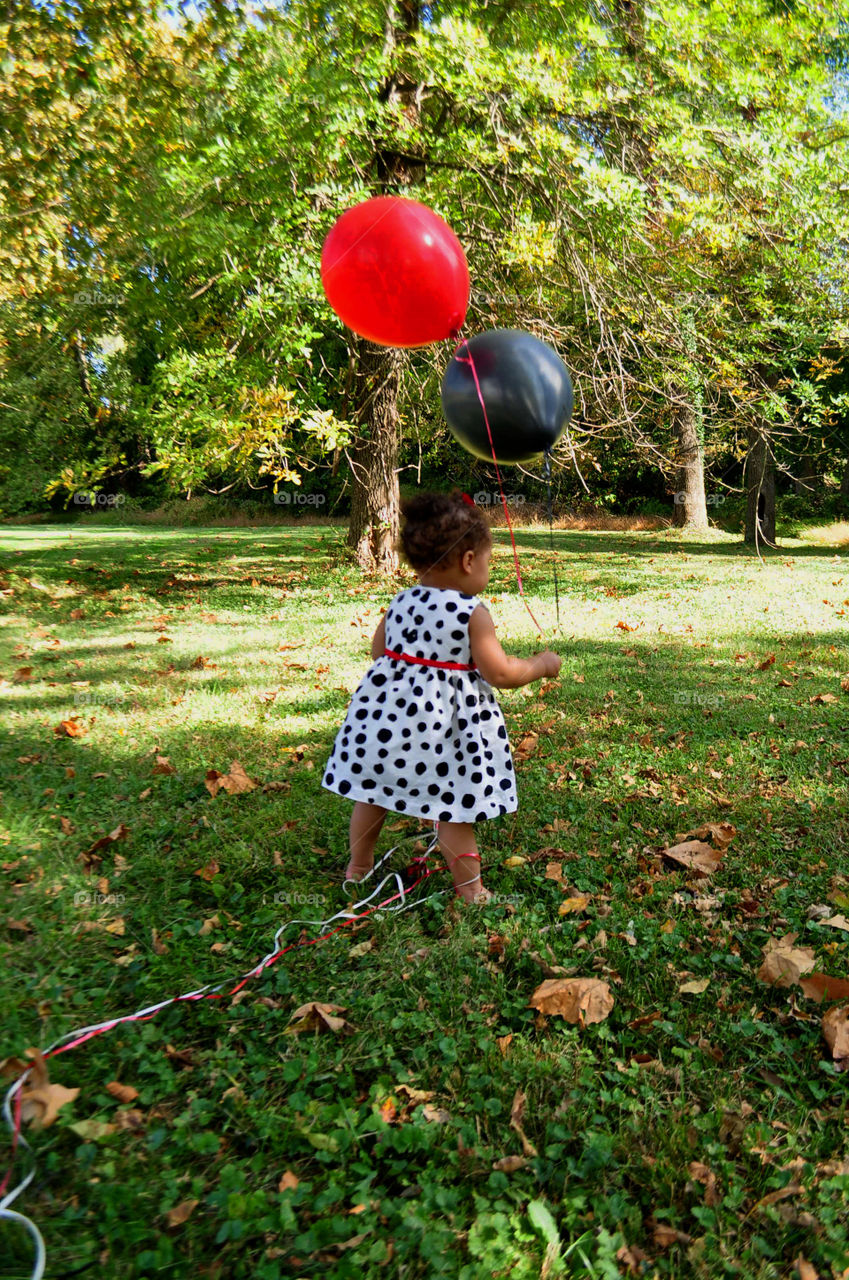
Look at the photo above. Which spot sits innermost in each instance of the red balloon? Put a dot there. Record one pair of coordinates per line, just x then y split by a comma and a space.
395, 273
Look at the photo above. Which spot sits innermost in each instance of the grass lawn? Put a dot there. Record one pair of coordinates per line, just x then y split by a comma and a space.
700, 1130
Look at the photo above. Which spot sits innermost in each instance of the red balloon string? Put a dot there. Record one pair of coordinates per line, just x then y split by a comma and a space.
470, 361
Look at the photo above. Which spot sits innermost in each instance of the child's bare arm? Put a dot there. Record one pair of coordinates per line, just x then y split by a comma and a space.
378, 643
499, 668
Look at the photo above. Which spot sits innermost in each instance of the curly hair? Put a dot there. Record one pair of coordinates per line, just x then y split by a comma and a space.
439, 527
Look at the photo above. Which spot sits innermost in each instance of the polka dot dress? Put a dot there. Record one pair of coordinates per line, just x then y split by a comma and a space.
421, 740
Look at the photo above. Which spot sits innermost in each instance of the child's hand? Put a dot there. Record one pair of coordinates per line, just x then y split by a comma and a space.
551, 662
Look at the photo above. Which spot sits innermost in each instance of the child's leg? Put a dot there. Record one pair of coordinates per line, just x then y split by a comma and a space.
366, 821
457, 842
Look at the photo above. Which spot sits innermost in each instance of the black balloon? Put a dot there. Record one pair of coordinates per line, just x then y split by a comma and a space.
526, 389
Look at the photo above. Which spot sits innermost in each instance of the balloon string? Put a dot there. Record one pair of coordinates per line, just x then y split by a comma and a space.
471, 364
551, 534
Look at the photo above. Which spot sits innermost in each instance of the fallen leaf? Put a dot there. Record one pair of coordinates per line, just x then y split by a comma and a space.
805, 1269
701, 1173
41, 1100
361, 948
315, 1016
571, 906
510, 1164
784, 964
767, 662
719, 834
514, 861
578, 1000
694, 988
835, 1029
288, 1182
837, 922
181, 1212
517, 1115
437, 1115
123, 1092
73, 728
209, 871
819, 987
163, 765
22, 675
695, 856
823, 697
503, 1043
526, 746
783, 1193
235, 782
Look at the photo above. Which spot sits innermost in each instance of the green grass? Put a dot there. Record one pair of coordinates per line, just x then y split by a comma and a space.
648, 733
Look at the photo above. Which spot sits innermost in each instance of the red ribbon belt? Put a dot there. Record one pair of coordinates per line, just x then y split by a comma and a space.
431, 662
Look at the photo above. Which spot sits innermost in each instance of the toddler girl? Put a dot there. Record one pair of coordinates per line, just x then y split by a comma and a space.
424, 734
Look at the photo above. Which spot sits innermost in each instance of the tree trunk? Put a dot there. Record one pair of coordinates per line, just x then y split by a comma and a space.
807, 476
690, 506
374, 525
375, 499
844, 489
760, 489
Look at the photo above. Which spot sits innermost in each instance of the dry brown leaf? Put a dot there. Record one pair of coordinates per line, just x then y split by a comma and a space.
163, 765
694, 988
580, 1001
510, 1164
212, 922
665, 1236
554, 871
123, 1092
837, 922
767, 662
288, 1182
784, 964
437, 1115
824, 698
570, 906
806, 1270
784, 1193
526, 746
41, 1100
159, 947
315, 1016
695, 856
361, 948
701, 1173
181, 1213
22, 675
235, 782
517, 1116
209, 871
718, 834
819, 987
835, 1029
503, 1043
71, 728
120, 833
